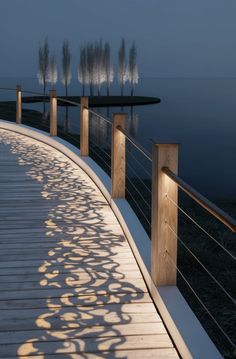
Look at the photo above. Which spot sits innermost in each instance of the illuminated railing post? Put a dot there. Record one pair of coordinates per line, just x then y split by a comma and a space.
164, 215
84, 126
118, 157
53, 113
18, 104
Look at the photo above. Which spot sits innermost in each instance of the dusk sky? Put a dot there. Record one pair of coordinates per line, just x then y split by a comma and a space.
173, 38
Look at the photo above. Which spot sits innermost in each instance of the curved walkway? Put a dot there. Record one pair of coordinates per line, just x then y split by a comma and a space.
69, 284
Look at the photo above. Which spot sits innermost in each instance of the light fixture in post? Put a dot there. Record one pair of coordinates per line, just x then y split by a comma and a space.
53, 113
164, 216
18, 105
118, 157
84, 126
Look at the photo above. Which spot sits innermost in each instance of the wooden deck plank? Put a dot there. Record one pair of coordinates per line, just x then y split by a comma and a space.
50, 268
89, 332
69, 284
71, 300
118, 354
73, 291
22, 278
72, 321
83, 242
93, 283
124, 308
153, 341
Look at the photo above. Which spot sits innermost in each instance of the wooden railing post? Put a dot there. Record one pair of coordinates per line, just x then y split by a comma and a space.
18, 105
84, 126
164, 216
118, 158
53, 113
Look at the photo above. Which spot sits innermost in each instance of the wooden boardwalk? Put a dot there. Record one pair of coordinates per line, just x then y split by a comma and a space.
69, 284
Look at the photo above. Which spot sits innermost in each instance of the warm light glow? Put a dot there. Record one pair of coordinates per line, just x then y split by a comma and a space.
27, 348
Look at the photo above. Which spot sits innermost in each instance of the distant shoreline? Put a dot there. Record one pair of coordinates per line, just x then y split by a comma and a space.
100, 101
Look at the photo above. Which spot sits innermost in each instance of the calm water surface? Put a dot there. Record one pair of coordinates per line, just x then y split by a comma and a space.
200, 114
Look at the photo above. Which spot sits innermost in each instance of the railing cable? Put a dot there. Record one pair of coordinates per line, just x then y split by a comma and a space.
136, 203
100, 157
107, 120
137, 161
218, 213
70, 136
201, 302
68, 101
202, 229
202, 265
100, 129
136, 189
135, 144
139, 178
100, 148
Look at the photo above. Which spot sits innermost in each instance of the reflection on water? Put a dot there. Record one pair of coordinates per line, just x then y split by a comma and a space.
133, 120
73, 286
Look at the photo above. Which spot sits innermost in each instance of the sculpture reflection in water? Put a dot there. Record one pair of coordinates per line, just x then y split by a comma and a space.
133, 122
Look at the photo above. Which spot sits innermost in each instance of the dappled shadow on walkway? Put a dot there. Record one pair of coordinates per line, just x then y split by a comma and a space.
69, 283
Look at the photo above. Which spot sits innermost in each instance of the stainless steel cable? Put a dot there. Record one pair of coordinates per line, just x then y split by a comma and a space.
70, 136
107, 120
104, 165
98, 129
68, 101
202, 229
136, 189
102, 159
94, 147
137, 161
140, 179
202, 265
100, 148
201, 302
144, 152
136, 203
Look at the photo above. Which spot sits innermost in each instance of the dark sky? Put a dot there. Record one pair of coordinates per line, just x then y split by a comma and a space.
173, 37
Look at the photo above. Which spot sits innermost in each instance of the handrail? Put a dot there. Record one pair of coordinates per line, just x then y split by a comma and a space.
100, 116
36, 93
68, 101
134, 142
218, 213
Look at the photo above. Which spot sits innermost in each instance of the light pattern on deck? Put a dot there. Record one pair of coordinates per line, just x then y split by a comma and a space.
69, 284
